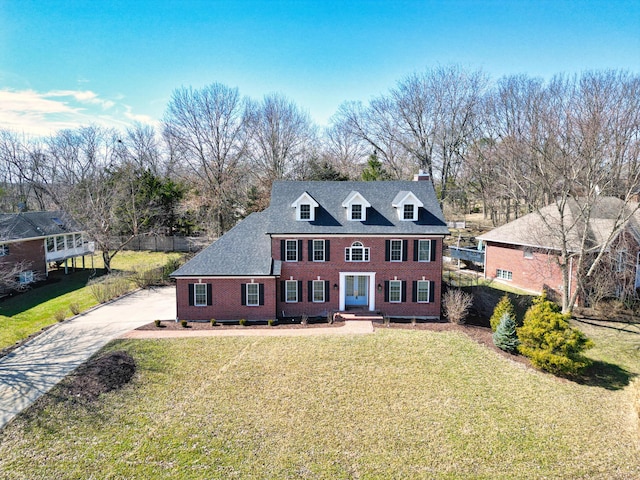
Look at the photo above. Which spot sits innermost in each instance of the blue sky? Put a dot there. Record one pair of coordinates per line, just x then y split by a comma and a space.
66, 63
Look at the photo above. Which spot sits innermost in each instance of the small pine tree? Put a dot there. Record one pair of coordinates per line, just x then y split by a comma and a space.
550, 342
505, 336
503, 306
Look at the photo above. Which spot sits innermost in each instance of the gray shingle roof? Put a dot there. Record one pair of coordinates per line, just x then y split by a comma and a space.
542, 229
331, 216
26, 225
243, 250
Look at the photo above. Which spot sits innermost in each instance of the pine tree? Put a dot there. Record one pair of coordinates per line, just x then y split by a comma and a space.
505, 337
503, 306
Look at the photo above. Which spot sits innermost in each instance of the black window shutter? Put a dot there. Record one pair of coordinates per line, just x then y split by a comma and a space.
209, 294
432, 250
327, 249
191, 290
310, 250
415, 250
282, 291
282, 251
261, 293
243, 294
299, 250
405, 248
414, 291
310, 291
300, 289
432, 288
404, 290
386, 289
387, 250
327, 290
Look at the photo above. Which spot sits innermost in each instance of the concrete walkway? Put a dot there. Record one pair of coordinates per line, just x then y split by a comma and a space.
34, 368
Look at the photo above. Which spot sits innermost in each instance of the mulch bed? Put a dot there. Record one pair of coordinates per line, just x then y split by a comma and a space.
171, 325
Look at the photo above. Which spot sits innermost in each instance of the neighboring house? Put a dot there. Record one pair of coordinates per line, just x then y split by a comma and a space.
38, 239
525, 252
323, 247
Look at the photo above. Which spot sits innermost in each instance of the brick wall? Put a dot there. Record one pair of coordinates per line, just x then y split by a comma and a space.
537, 273
31, 252
408, 271
226, 300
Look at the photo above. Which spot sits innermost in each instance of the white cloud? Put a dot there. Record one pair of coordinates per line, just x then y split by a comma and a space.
43, 113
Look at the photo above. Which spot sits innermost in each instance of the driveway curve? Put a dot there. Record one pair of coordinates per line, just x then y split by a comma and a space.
35, 367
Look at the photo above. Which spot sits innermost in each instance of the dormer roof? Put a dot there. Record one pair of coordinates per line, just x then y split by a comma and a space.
355, 198
305, 198
305, 206
404, 197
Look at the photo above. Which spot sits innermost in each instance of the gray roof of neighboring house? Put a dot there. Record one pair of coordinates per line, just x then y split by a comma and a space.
542, 229
243, 250
26, 225
331, 216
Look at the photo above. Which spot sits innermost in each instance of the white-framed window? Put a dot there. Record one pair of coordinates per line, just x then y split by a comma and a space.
291, 291
291, 250
424, 250
396, 250
356, 211
305, 211
422, 294
25, 277
395, 291
408, 211
200, 294
504, 274
4, 250
318, 291
318, 250
528, 253
253, 294
356, 253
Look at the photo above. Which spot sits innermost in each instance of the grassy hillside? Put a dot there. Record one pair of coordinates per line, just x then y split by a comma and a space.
396, 404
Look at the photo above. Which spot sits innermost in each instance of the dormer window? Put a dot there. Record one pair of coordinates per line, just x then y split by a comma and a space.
407, 205
305, 207
356, 206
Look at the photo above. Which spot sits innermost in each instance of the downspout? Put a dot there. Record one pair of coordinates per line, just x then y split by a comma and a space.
570, 276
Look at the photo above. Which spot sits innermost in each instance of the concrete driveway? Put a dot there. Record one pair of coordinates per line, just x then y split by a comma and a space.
34, 368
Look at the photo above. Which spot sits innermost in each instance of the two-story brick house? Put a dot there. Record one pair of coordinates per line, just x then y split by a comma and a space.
323, 247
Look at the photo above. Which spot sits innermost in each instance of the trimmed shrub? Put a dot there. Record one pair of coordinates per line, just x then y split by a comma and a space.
242, 322
271, 322
60, 315
75, 308
183, 323
505, 336
550, 342
503, 306
456, 304
213, 322
158, 323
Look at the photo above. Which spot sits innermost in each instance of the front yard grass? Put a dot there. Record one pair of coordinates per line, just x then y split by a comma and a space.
29, 312
395, 404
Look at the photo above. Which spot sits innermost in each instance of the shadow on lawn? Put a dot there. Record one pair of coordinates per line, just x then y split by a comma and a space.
605, 375
56, 285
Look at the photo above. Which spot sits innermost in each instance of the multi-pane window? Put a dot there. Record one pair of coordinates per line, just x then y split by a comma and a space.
424, 250
253, 294
318, 291
395, 291
200, 294
422, 291
291, 250
504, 274
4, 250
318, 250
408, 211
25, 277
356, 212
396, 250
305, 211
291, 289
356, 253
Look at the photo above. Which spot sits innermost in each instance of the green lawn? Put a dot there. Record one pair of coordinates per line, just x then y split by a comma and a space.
24, 314
395, 404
